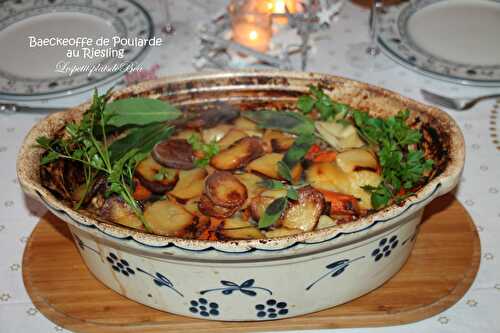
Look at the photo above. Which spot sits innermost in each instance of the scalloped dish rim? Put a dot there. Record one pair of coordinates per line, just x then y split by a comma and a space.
28, 164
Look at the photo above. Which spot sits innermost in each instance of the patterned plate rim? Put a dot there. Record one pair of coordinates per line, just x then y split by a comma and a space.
94, 83
408, 9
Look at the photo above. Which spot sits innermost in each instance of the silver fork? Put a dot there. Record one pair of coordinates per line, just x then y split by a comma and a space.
459, 103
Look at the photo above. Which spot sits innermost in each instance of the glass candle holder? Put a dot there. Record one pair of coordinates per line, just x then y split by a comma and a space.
251, 28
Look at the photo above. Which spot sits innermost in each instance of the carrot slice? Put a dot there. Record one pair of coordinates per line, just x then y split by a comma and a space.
140, 191
341, 204
312, 152
325, 156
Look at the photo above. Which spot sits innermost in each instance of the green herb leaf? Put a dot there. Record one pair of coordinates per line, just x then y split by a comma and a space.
292, 193
284, 171
139, 111
209, 150
298, 150
50, 157
142, 138
305, 104
272, 184
286, 121
273, 212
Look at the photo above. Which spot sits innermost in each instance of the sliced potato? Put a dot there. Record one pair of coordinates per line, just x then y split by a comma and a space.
208, 208
357, 159
192, 206
167, 218
147, 171
237, 228
268, 166
216, 133
190, 184
282, 232
224, 189
238, 154
325, 221
304, 213
231, 137
340, 136
276, 141
245, 124
115, 210
259, 203
360, 179
330, 177
252, 183
186, 134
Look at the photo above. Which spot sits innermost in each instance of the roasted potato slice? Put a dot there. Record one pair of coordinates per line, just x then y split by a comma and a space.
237, 228
208, 208
192, 206
231, 137
282, 232
267, 165
324, 222
252, 183
167, 218
186, 134
357, 159
276, 141
216, 133
339, 136
304, 213
238, 154
259, 203
330, 177
174, 153
190, 184
245, 124
117, 211
224, 189
148, 172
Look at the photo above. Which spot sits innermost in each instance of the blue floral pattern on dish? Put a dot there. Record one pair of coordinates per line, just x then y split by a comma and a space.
385, 247
271, 309
119, 265
204, 308
334, 269
161, 281
247, 288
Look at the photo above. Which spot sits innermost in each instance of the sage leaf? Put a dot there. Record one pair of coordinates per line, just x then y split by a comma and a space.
139, 112
298, 150
272, 184
141, 138
284, 171
286, 121
273, 212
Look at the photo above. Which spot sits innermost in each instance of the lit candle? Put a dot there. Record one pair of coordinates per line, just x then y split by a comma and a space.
278, 7
252, 32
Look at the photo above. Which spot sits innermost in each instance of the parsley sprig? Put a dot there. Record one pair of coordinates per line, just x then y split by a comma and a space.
208, 150
403, 164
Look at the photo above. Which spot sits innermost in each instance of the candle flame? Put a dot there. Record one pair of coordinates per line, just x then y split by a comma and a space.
279, 6
253, 35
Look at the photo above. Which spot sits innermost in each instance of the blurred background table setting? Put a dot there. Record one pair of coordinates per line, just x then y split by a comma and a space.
446, 47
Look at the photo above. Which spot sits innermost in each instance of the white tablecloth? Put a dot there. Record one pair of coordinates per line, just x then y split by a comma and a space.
478, 191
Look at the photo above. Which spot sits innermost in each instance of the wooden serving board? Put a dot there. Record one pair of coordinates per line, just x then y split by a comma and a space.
441, 268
